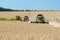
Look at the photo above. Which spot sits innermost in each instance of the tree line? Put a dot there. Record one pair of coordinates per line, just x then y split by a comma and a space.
8, 9
5, 9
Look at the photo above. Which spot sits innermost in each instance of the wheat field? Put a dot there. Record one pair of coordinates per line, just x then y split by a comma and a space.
17, 30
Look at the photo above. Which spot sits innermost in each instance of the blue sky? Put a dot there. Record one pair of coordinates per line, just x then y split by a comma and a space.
31, 4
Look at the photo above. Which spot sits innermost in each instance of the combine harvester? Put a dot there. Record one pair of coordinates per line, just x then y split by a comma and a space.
40, 19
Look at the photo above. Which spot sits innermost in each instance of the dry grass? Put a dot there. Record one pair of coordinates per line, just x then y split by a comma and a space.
17, 30
48, 15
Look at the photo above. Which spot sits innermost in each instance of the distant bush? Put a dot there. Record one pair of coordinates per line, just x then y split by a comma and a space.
27, 10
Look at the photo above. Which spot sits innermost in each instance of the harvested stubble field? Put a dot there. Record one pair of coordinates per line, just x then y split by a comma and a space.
17, 30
